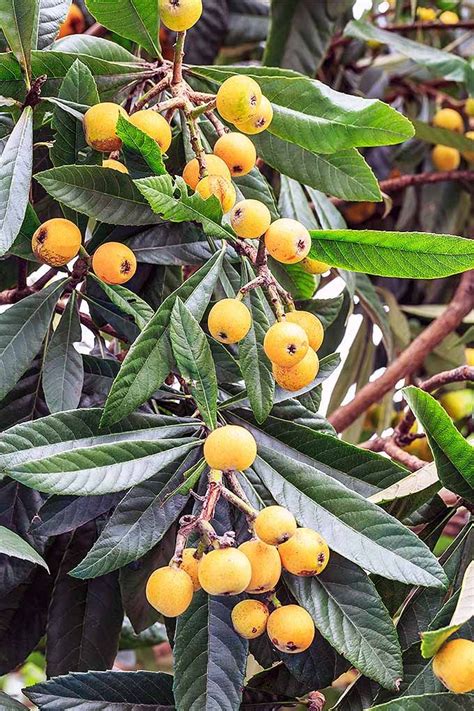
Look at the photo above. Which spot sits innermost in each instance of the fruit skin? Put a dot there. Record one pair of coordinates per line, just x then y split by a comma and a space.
249, 618
285, 343
469, 155
170, 591
420, 448
214, 166
74, 24
56, 242
114, 165
450, 119
458, 403
220, 187
469, 353
229, 321
154, 125
190, 566
230, 447
287, 241
266, 566
238, 98
306, 553
469, 106
359, 212
426, 14
180, 15
237, 151
100, 123
275, 525
290, 629
250, 219
225, 571
445, 157
310, 324
300, 375
449, 18
314, 266
453, 664
114, 263
260, 121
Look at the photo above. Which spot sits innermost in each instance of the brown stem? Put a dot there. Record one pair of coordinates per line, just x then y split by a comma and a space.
45, 278
155, 90
96, 30
178, 59
218, 125
409, 27
380, 444
22, 274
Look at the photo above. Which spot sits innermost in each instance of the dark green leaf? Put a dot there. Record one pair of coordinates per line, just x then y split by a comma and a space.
18, 22
61, 514
52, 14
429, 702
13, 545
137, 20
9, 704
433, 134
139, 142
127, 301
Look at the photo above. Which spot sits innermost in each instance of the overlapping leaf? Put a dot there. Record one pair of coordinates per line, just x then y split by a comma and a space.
138, 141
13, 545
52, 14
18, 22
137, 20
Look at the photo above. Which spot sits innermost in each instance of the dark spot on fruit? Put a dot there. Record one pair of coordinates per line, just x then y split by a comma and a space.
125, 267
260, 122
291, 646
238, 212
222, 335
321, 558
237, 169
275, 641
253, 100
254, 629
291, 348
301, 245
175, 3
284, 538
42, 234
306, 573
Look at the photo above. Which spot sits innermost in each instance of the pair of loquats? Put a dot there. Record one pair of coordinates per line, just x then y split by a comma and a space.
447, 157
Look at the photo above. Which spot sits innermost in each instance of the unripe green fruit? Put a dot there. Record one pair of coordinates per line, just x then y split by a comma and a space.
275, 525
266, 566
225, 571
249, 618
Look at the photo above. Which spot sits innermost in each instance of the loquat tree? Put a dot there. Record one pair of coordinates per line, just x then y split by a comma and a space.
236, 387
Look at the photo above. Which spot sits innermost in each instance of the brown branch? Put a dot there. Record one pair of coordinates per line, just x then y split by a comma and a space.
412, 357
154, 91
178, 58
387, 445
409, 27
96, 30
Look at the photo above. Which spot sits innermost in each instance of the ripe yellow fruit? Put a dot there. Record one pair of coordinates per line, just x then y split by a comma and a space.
237, 151
285, 343
469, 155
445, 157
154, 125
250, 219
100, 123
420, 448
450, 119
190, 566
309, 323
469, 106
314, 266
249, 618
223, 190
426, 14
306, 553
238, 98
230, 447
266, 566
287, 241
169, 590
229, 321
290, 629
74, 23
453, 664
114, 263
56, 242
458, 403
299, 375
449, 18
469, 353
114, 165
260, 121
214, 166
225, 571
180, 15
275, 525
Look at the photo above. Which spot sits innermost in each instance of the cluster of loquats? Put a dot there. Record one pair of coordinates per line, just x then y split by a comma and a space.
430, 14
254, 567
447, 157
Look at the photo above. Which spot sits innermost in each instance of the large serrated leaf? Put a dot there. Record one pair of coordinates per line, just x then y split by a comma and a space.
137, 20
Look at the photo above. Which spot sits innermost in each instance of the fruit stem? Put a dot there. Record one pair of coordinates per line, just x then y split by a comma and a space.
273, 600
203, 109
154, 91
196, 142
236, 501
178, 58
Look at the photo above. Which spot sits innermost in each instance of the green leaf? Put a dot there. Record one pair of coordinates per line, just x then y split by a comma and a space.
415, 255
353, 619
428, 702
101, 193
63, 372
139, 142
18, 20
101, 469
454, 456
127, 301
425, 480
22, 329
352, 526
210, 659
52, 14
149, 360
9, 704
433, 134
16, 163
137, 20
372, 304
194, 359
13, 545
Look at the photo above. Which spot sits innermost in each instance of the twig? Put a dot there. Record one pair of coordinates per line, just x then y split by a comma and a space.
155, 90
218, 125
22, 273
96, 30
178, 59
409, 27
387, 445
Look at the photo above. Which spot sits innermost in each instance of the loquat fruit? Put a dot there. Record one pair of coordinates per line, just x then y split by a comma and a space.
74, 24
56, 242
229, 321
238, 98
469, 106
469, 155
449, 18
287, 241
237, 151
224, 571
114, 165
299, 375
260, 121
169, 590
214, 166
426, 14
266, 566
420, 448
275, 525
223, 190
100, 123
230, 447
359, 212
314, 266
305, 553
450, 119
453, 664
114, 263
310, 324
469, 353
190, 566
285, 343
249, 618
458, 403
154, 125
250, 219
445, 157
290, 629
180, 15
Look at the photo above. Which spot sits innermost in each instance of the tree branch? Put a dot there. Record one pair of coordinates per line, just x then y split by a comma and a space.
409, 27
